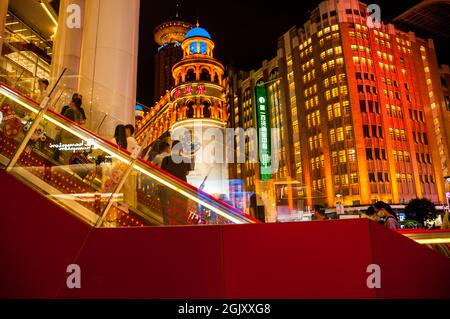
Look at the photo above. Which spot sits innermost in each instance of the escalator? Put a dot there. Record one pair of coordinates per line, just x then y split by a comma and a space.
94, 179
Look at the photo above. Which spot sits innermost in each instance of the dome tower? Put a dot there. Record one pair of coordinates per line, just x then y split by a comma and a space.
199, 104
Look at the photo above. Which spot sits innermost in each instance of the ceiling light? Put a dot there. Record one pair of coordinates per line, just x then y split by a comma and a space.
48, 12
11, 23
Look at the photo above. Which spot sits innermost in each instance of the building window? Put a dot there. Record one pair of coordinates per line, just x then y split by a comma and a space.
340, 134
380, 131
332, 136
349, 132
403, 135
354, 178
295, 127
342, 157
369, 154
366, 131
409, 178
337, 180
372, 177
377, 154
362, 106
337, 110
334, 158
297, 148
374, 131
330, 112
351, 154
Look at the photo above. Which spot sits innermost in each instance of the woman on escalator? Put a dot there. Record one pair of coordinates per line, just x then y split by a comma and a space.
123, 138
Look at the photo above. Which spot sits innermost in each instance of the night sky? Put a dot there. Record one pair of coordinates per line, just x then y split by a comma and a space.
245, 32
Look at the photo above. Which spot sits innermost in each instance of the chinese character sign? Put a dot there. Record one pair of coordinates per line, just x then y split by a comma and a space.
188, 90
200, 89
263, 132
177, 93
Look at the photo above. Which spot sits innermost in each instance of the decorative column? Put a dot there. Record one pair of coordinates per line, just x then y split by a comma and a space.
109, 62
67, 47
3, 12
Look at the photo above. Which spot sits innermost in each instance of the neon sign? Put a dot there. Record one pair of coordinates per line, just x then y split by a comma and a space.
74, 147
262, 114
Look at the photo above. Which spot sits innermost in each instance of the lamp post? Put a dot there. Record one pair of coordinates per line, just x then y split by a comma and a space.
339, 204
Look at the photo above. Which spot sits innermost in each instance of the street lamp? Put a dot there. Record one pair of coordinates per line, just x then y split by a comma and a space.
339, 205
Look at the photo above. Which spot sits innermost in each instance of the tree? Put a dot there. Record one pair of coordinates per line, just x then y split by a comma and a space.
420, 210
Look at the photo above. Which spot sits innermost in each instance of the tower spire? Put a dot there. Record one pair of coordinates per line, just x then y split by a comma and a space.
177, 10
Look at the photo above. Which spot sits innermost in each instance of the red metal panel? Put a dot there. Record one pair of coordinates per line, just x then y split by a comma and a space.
408, 269
293, 260
158, 262
297, 260
37, 241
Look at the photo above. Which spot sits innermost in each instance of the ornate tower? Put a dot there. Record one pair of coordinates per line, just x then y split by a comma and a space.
199, 104
168, 36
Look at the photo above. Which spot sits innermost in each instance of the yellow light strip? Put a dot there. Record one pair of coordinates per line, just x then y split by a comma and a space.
195, 199
63, 126
48, 12
195, 122
433, 241
124, 160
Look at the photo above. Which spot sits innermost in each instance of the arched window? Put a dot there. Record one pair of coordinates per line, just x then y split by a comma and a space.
190, 109
216, 78
274, 74
205, 75
190, 75
206, 109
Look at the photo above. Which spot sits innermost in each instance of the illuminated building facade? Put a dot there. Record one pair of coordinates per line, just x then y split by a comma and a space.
168, 36
361, 109
241, 98
196, 104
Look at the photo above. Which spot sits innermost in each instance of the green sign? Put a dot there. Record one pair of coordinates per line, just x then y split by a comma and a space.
262, 114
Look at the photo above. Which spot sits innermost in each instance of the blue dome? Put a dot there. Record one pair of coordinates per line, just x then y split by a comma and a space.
197, 32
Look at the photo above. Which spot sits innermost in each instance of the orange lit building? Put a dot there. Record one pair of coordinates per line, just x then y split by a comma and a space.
362, 115
197, 101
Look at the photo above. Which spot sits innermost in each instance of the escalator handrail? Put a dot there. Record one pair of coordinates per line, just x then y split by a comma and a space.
127, 155
199, 191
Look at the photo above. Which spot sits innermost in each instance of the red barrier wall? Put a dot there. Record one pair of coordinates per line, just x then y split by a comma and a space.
294, 260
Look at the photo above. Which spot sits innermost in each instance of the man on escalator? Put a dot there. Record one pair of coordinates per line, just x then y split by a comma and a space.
174, 206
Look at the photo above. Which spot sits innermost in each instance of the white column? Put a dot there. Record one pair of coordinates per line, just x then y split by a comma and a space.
109, 62
67, 45
3, 11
